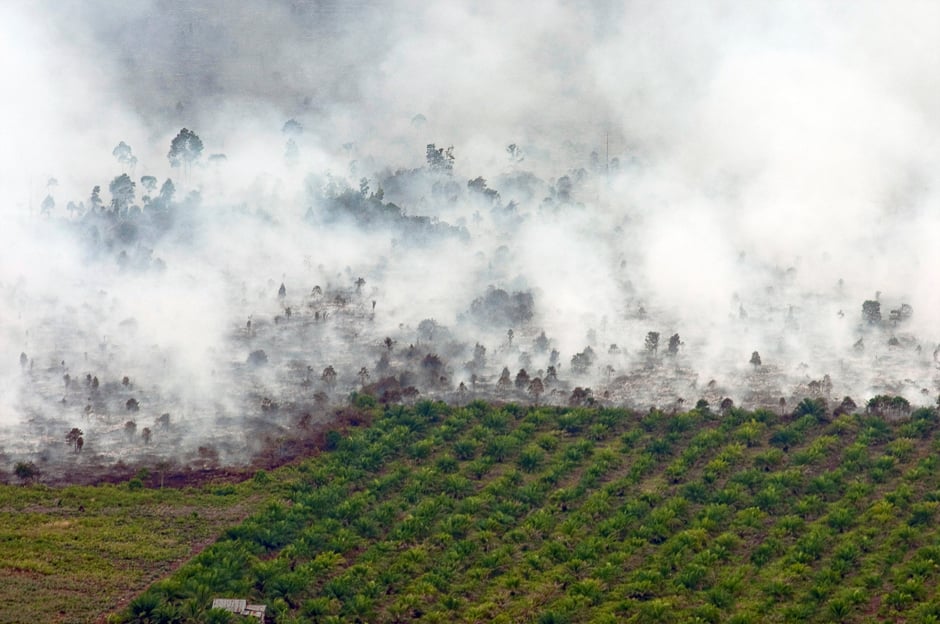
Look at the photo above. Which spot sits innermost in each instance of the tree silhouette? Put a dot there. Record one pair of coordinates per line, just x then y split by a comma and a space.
901, 314
125, 155
755, 359
674, 344
292, 127
122, 193
580, 397
536, 388
439, 159
478, 185
479, 357
871, 312
26, 471
185, 149
504, 383
329, 377
72, 436
582, 362
541, 343
47, 206
167, 190
148, 182
95, 200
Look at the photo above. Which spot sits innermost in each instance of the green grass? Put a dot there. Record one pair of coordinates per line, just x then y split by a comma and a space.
515, 514
72, 554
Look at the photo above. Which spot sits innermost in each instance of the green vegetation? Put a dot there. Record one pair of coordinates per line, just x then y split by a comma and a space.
71, 554
513, 514
541, 514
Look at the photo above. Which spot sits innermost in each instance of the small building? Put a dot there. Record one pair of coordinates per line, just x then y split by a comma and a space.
239, 607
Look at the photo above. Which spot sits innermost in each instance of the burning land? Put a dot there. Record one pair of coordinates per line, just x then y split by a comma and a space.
555, 312
196, 335
251, 217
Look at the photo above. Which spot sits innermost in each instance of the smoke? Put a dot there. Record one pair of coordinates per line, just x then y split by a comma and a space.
743, 177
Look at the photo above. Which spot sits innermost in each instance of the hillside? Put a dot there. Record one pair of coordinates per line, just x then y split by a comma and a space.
506, 513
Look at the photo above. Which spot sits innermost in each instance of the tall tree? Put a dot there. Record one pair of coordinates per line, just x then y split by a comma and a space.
122, 192
95, 200
125, 155
185, 149
167, 190
674, 344
48, 204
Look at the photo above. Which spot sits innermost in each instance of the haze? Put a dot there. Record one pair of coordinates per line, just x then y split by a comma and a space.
742, 175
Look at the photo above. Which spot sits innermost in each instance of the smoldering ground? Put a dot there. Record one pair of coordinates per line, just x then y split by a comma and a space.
646, 195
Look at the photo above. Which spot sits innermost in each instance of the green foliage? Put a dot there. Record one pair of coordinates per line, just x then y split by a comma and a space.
511, 514
811, 407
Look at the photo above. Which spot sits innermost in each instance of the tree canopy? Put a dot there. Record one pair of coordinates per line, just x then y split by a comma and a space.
185, 149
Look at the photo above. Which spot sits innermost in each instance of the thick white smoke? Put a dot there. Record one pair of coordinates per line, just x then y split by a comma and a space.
744, 176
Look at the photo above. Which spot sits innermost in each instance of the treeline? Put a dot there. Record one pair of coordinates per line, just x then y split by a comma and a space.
507, 513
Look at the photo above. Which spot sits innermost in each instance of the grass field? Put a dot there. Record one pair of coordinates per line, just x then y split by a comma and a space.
72, 554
